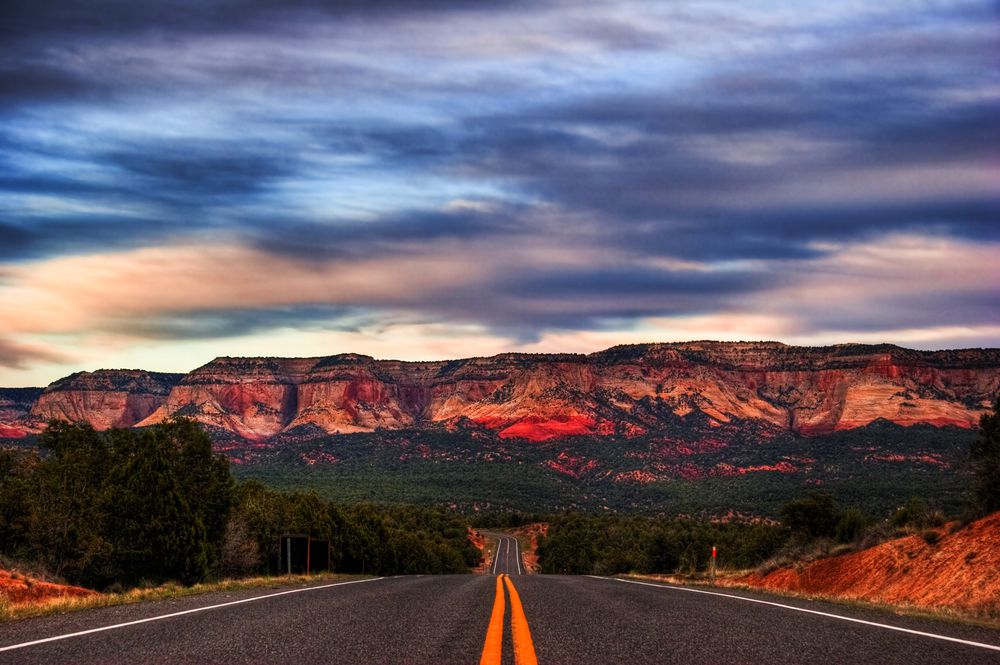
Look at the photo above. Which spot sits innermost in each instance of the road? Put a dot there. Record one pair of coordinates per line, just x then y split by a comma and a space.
473, 619
507, 556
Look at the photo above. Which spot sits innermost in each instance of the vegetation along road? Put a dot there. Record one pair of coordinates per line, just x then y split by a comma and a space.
491, 619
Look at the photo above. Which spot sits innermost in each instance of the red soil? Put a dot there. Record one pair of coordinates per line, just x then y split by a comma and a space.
531, 533
19, 589
570, 465
961, 571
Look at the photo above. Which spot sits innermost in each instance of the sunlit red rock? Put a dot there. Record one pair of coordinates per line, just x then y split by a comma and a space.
106, 398
626, 391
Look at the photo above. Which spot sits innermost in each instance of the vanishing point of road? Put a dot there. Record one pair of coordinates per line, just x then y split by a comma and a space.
504, 616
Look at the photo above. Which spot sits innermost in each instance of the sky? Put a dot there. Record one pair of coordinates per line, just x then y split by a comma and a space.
187, 179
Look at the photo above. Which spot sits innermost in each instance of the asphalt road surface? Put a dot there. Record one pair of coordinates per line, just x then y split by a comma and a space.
475, 619
507, 556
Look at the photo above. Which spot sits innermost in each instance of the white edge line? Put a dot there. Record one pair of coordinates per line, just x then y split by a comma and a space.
517, 554
177, 614
935, 636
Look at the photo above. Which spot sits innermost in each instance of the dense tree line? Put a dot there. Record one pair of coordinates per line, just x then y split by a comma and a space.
365, 538
118, 507
126, 507
578, 544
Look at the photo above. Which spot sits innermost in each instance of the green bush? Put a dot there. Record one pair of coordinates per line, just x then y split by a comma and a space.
851, 525
814, 516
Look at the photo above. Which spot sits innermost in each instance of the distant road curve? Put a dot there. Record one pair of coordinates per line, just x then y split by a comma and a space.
507, 557
559, 620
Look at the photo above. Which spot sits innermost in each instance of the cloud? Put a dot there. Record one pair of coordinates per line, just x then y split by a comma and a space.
14, 355
236, 169
229, 322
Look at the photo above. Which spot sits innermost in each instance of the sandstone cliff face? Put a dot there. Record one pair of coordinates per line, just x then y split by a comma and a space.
251, 397
105, 398
15, 412
625, 390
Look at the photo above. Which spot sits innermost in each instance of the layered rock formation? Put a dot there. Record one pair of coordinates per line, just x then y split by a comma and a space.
15, 411
106, 398
625, 390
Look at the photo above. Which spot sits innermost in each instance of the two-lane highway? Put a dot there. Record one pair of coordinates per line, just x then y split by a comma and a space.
449, 619
507, 555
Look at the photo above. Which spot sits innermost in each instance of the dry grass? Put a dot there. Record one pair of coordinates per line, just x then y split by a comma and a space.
725, 581
60, 605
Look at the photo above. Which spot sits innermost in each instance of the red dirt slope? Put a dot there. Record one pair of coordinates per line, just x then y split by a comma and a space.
961, 571
19, 589
531, 533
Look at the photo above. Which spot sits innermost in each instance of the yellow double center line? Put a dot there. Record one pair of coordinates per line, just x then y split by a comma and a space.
524, 647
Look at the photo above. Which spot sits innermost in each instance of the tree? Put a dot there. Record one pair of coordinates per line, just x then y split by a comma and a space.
814, 516
156, 534
121, 506
852, 523
66, 528
205, 481
985, 454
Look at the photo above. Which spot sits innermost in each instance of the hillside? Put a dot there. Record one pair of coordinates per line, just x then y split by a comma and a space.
626, 391
19, 589
959, 571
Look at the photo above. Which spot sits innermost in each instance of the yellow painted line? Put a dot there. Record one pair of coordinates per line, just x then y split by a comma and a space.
524, 647
493, 648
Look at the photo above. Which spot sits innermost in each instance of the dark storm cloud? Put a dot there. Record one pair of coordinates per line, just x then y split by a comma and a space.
976, 307
141, 193
18, 356
82, 234
215, 323
666, 192
24, 82
107, 17
667, 285
319, 241
791, 232
193, 173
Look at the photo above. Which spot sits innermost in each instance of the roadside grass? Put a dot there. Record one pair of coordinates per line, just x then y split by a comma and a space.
983, 619
60, 605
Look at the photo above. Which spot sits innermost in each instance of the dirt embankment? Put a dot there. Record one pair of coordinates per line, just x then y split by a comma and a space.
479, 541
528, 536
961, 571
20, 589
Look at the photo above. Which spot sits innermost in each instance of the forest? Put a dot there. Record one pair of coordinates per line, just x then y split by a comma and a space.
123, 508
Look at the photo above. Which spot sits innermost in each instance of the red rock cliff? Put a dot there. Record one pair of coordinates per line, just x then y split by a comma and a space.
106, 398
625, 390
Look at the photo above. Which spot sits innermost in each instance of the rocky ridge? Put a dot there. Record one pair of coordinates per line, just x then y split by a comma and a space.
624, 390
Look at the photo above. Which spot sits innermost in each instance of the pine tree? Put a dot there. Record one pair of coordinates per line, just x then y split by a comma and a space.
156, 533
985, 453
